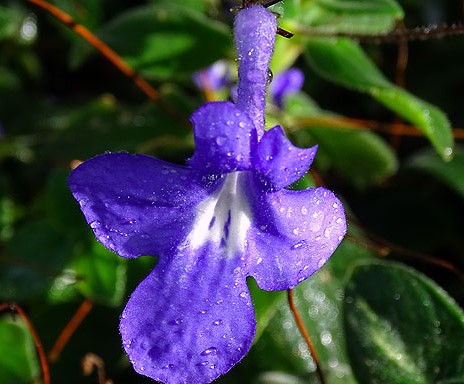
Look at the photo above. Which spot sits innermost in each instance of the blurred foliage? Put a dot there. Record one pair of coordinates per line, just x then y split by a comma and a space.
372, 321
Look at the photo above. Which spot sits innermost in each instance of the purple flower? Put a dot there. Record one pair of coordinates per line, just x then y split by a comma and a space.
286, 83
215, 77
223, 217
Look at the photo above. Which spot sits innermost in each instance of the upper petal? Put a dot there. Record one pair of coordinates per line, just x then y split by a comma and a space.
137, 205
224, 137
279, 162
255, 29
295, 233
191, 320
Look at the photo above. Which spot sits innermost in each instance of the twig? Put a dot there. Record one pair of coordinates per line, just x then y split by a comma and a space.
69, 330
304, 333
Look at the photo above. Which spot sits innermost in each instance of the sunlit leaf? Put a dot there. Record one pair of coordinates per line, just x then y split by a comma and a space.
401, 327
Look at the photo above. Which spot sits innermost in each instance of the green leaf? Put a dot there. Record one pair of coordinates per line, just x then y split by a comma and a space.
342, 16
19, 363
102, 275
166, 40
401, 327
361, 156
343, 61
369, 7
451, 173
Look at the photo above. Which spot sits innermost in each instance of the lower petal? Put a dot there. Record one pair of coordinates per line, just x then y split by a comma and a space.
189, 324
295, 233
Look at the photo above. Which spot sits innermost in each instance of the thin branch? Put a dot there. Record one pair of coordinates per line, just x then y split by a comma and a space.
395, 36
353, 123
69, 329
305, 335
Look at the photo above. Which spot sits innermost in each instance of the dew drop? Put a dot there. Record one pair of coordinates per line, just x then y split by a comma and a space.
299, 245
326, 338
220, 140
203, 363
217, 322
211, 351
243, 295
304, 210
176, 322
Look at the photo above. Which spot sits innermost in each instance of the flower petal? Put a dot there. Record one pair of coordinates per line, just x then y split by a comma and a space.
224, 137
137, 205
191, 320
255, 29
279, 162
295, 233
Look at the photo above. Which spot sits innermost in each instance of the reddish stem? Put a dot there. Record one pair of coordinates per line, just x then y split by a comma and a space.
69, 330
304, 333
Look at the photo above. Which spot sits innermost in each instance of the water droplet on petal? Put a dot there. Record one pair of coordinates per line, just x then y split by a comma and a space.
217, 322
211, 351
220, 140
243, 294
300, 244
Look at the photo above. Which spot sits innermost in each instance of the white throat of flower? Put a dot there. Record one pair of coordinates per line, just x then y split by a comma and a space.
223, 219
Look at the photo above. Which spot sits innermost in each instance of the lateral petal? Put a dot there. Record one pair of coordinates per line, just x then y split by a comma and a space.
279, 162
191, 320
136, 204
294, 234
